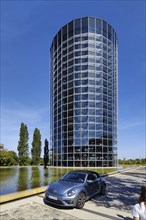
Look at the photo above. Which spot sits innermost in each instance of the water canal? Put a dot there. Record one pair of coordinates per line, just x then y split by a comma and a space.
15, 179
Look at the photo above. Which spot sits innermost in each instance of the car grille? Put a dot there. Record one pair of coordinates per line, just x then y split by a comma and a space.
54, 201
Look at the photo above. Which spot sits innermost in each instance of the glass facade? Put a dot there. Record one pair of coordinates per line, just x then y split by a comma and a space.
84, 85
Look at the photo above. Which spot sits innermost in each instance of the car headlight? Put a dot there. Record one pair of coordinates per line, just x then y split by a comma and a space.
71, 193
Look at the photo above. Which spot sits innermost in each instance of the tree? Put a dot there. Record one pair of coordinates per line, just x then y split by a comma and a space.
137, 161
12, 158
46, 154
8, 158
36, 147
23, 147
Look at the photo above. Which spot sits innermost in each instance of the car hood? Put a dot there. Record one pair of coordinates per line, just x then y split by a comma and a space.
61, 187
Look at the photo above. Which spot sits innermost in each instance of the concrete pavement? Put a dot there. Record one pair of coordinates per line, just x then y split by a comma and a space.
33, 208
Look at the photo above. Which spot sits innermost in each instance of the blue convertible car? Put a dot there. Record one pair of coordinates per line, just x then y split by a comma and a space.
74, 189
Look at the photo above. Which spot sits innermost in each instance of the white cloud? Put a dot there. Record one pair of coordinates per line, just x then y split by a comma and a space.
133, 124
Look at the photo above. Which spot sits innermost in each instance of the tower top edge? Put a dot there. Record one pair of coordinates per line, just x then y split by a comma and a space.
73, 20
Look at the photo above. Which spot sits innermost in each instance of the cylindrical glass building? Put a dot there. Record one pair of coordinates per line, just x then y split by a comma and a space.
84, 94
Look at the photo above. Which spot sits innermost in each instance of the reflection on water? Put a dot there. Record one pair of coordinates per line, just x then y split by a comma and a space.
35, 177
22, 178
46, 176
8, 178
14, 179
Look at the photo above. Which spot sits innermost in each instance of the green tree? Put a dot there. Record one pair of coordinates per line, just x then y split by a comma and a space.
23, 148
46, 153
12, 158
137, 161
36, 147
8, 158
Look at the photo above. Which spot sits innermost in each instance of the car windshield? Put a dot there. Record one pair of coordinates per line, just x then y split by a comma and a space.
74, 177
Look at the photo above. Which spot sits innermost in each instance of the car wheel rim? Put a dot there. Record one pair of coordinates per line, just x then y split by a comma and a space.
81, 200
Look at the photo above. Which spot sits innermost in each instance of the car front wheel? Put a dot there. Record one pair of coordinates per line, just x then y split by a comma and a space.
81, 200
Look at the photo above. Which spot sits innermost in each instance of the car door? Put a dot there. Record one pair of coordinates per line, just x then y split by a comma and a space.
92, 184
97, 182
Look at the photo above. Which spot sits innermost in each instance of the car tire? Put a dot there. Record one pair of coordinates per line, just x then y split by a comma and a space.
81, 200
103, 189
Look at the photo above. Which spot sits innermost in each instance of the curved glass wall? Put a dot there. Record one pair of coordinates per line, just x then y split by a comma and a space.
83, 82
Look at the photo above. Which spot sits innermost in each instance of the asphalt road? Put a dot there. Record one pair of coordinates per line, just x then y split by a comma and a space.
123, 190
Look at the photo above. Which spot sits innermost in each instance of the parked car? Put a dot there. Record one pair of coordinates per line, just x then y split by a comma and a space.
74, 189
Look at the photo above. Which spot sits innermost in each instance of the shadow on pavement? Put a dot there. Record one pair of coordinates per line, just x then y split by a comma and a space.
122, 191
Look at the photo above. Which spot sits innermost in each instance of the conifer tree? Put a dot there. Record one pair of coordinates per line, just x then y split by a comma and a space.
36, 147
46, 153
23, 148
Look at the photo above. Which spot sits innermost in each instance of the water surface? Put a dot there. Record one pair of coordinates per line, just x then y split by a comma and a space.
15, 179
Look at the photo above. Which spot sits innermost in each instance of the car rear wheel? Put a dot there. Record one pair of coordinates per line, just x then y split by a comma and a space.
81, 200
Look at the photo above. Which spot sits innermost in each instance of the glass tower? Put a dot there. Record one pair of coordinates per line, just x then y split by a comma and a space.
84, 85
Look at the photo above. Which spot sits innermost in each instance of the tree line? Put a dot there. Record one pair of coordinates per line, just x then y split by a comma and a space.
9, 158
23, 157
137, 161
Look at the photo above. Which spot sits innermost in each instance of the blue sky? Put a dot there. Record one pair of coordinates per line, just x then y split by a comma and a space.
27, 30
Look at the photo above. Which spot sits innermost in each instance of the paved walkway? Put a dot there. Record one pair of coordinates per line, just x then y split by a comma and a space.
33, 208
122, 192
